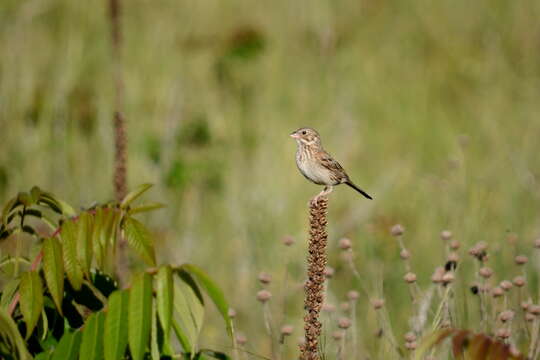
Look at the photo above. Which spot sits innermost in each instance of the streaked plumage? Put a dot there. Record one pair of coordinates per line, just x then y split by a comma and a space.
317, 165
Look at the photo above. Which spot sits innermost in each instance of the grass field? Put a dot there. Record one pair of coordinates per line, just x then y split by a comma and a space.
433, 107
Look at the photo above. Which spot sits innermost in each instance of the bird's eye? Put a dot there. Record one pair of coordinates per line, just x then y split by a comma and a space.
304, 132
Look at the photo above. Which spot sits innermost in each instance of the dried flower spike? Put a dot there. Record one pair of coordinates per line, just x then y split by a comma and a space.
485, 272
506, 285
506, 316
497, 291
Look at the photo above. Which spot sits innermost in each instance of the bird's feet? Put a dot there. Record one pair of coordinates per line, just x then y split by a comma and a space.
327, 190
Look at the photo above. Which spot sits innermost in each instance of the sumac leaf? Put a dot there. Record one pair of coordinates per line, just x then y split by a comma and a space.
53, 268
139, 238
92, 338
71, 264
31, 302
116, 331
140, 314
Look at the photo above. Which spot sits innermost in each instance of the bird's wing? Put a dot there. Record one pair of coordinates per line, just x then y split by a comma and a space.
329, 163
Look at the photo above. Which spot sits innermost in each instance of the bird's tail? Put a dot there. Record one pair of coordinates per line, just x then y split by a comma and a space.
358, 189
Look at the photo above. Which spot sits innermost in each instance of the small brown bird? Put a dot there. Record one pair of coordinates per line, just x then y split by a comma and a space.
317, 165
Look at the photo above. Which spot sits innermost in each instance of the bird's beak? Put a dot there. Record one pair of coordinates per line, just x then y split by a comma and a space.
294, 135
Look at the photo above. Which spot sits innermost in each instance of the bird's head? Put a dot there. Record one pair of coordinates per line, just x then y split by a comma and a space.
306, 136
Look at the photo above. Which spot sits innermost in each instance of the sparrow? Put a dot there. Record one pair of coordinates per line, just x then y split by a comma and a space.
317, 165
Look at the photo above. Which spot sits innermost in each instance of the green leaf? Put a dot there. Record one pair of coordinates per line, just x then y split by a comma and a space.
68, 347
189, 310
214, 354
96, 237
8, 292
84, 242
141, 189
31, 302
138, 237
56, 204
53, 268
116, 332
92, 338
10, 205
140, 314
165, 298
71, 264
12, 340
213, 291
146, 207
35, 193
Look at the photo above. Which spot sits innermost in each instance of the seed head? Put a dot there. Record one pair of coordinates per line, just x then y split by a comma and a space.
485, 272
328, 308
502, 333
506, 285
521, 259
537, 243
454, 244
404, 254
437, 276
344, 323
506, 316
446, 235
377, 303
529, 317
265, 278
411, 345
345, 244
353, 295
264, 295
288, 240
287, 330
410, 277
448, 278
519, 281
497, 291
525, 305
329, 272
232, 313
337, 335
397, 230
410, 337
241, 339
453, 257
534, 309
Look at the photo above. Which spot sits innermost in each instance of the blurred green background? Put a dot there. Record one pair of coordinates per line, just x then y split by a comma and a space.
433, 107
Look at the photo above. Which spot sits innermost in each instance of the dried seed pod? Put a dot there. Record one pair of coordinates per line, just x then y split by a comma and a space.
288, 240
410, 337
506, 315
446, 235
397, 230
287, 330
410, 277
454, 245
265, 278
232, 313
377, 303
344, 323
503, 333
438, 275
448, 278
329, 272
534, 309
345, 244
264, 295
506, 285
485, 272
521, 260
519, 281
497, 291
404, 254
353, 295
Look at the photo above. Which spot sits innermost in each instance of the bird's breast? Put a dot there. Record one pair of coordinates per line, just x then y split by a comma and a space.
314, 171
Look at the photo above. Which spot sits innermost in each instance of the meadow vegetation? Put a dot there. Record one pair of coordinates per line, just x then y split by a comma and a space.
431, 106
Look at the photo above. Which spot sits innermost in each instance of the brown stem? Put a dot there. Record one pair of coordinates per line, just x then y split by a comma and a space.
314, 287
120, 138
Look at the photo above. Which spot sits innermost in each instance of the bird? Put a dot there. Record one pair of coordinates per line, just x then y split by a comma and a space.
317, 165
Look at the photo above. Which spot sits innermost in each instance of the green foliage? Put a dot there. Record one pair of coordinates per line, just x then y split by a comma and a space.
81, 313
